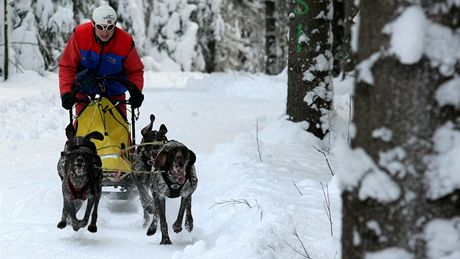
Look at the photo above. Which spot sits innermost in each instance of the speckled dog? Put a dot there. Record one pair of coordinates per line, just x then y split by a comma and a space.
174, 176
80, 171
143, 160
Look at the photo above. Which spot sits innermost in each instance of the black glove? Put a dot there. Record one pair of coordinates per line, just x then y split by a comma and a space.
68, 100
136, 99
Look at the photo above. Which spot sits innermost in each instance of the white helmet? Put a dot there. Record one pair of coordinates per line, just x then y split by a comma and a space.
104, 15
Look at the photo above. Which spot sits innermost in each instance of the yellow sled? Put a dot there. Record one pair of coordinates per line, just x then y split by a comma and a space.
102, 116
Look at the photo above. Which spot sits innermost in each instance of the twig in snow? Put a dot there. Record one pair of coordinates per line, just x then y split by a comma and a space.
295, 185
349, 118
232, 202
257, 139
261, 210
327, 205
239, 201
305, 254
327, 160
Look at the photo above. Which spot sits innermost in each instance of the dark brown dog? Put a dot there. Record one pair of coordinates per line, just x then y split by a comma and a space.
174, 176
143, 160
80, 171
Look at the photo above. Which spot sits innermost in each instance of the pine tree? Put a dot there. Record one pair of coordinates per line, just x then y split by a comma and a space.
310, 64
209, 20
173, 34
54, 24
403, 198
242, 45
83, 10
281, 35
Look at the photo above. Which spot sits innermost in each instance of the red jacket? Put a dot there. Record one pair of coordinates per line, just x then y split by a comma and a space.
84, 53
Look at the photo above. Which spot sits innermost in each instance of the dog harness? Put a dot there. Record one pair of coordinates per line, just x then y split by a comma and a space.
83, 147
174, 188
78, 194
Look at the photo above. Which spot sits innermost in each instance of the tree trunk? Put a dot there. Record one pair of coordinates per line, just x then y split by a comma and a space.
338, 30
310, 64
5, 42
393, 202
270, 38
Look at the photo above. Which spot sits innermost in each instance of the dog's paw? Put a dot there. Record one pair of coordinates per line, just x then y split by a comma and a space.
165, 241
177, 227
62, 224
152, 230
92, 228
76, 227
82, 223
189, 224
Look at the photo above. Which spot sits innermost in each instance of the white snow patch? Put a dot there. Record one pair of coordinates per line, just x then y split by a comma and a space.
408, 35
393, 253
442, 47
317, 92
308, 76
443, 238
449, 93
364, 69
392, 159
442, 176
382, 133
322, 63
374, 226
379, 186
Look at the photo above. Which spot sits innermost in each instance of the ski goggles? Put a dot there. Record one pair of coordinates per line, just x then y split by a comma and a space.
102, 27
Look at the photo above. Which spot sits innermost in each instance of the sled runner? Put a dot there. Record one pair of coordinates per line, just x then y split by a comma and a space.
115, 149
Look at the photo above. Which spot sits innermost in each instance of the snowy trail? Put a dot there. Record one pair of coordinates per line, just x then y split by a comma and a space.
215, 115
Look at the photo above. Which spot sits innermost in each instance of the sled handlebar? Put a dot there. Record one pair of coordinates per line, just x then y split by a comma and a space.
130, 86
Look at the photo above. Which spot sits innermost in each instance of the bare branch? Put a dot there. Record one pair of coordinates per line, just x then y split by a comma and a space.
297, 251
327, 205
305, 253
232, 202
327, 160
295, 185
257, 139
349, 118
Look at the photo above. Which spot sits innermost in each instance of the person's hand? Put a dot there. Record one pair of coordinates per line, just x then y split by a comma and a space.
68, 100
136, 99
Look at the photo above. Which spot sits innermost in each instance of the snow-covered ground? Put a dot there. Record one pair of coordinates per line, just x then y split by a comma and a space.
243, 208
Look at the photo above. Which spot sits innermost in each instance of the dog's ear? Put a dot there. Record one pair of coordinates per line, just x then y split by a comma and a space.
191, 157
160, 160
163, 130
149, 127
70, 131
94, 135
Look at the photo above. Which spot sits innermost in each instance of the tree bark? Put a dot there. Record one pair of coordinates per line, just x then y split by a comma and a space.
270, 38
402, 100
5, 42
310, 64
